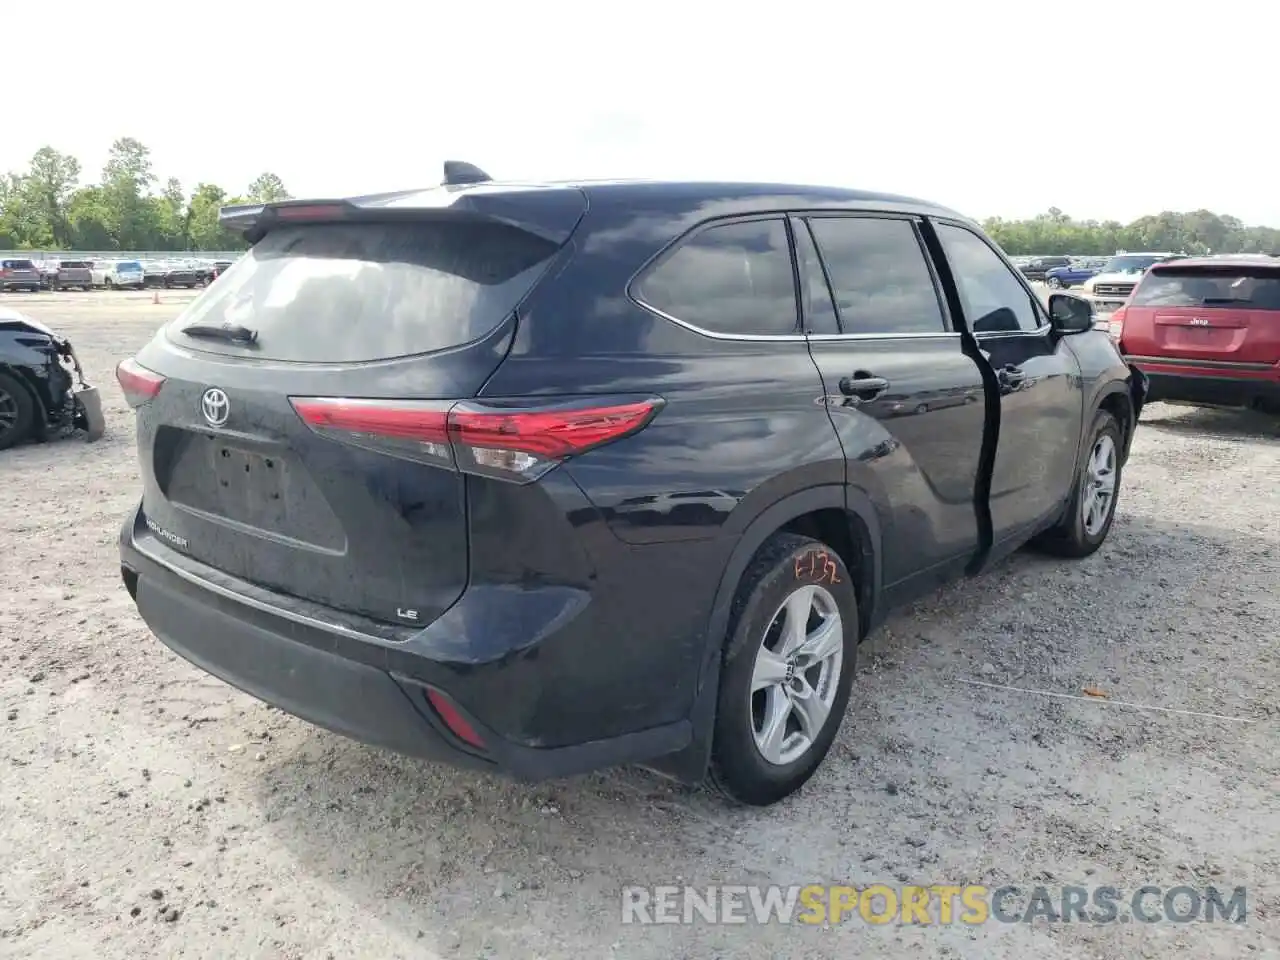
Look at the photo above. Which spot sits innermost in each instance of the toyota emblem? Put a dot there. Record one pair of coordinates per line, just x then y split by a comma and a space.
215, 406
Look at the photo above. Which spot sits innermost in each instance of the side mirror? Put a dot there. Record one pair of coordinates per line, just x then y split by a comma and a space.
1070, 314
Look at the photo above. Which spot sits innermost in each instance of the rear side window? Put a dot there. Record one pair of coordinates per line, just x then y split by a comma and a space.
734, 278
19, 264
1248, 288
356, 292
879, 276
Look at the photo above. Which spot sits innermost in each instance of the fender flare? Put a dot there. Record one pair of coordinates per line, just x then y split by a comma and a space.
690, 764
1118, 388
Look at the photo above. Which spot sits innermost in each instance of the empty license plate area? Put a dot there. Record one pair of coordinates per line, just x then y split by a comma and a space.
250, 487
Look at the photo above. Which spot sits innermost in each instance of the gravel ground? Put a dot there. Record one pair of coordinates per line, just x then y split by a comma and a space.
149, 810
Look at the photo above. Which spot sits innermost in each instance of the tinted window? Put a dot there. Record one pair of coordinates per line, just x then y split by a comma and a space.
19, 264
993, 297
1249, 288
733, 278
1134, 263
879, 275
353, 292
819, 311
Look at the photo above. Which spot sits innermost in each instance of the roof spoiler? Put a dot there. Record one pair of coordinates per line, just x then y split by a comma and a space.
552, 214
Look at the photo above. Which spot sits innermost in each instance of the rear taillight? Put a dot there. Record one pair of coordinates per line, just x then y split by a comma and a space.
1116, 324
512, 442
138, 383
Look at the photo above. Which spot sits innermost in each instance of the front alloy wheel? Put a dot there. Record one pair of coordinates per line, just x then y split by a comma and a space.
1087, 521
1099, 486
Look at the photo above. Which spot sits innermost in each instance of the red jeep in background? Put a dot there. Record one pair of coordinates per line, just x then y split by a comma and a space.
1206, 330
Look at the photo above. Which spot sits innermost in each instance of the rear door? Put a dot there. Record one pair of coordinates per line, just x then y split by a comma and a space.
1220, 317
1041, 396
907, 403
376, 311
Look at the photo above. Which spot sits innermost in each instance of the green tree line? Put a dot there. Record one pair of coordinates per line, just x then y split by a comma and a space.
47, 207
1197, 232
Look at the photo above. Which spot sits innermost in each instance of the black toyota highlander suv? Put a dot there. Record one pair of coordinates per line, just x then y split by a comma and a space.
544, 478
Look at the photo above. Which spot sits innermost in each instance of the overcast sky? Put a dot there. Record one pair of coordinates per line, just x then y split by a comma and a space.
1107, 110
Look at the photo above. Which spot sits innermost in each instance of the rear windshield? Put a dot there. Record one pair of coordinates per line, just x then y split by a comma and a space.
19, 264
129, 265
329, 293
1130, 263
1247, 288
73, 265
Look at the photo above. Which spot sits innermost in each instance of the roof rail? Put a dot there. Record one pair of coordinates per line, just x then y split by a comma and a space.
457, 172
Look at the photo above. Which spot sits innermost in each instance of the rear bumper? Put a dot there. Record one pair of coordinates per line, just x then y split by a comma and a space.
1210, 388
368, 688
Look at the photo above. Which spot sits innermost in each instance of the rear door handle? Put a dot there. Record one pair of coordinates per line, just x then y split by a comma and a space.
864, 386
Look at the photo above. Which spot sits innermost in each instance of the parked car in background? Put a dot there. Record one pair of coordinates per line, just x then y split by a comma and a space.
517, 453
73, 273
182, 273
204, 271
117, 274
1110, 287
1069, 276
48, 271
18, 274
153, 273
1037, 267
220, 267
1206, 330
42, 388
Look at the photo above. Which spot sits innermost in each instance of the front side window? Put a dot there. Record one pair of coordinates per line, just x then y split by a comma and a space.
994, 300
734, 278
879, 276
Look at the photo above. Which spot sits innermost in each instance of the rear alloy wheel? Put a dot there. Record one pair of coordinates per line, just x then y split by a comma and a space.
787, 672
17, 412
1088, 519
1054, 283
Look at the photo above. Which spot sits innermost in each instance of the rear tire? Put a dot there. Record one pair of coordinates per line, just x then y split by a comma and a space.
787, 670
17, 412
1092, 509
1053, 283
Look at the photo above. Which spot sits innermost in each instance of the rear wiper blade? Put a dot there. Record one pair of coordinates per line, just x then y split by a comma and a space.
1217, 300
233, 332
